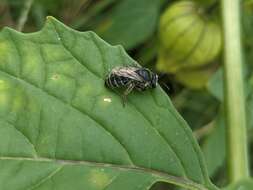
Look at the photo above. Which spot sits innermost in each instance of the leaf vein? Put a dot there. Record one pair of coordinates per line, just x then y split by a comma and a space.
158, 175
43, 180
22, 134
72, 54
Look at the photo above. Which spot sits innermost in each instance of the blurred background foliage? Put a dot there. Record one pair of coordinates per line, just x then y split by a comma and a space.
180, 40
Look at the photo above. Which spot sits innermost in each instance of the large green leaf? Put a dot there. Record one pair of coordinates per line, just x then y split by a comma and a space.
60, 128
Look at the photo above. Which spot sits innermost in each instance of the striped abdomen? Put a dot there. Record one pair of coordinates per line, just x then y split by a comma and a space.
115, 81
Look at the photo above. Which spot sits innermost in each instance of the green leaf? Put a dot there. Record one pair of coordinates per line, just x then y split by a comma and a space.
131, 22
215, 85
214, 146
60, 128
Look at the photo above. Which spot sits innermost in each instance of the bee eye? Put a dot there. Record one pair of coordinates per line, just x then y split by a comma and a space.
144, 74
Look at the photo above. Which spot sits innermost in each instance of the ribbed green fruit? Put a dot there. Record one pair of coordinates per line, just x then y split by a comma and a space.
188, 39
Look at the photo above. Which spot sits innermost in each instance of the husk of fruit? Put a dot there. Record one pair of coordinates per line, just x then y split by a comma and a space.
188, 39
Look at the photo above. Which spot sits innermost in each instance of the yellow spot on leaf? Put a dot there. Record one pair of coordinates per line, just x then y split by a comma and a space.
55, 77
99, 178
3, 99
18, 103
4, 85
4, 47
4, 93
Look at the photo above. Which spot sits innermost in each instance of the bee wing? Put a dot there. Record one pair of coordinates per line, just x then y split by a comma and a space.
128, 72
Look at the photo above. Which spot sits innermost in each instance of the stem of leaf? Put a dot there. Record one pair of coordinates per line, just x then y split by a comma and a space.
237, 155
24, 13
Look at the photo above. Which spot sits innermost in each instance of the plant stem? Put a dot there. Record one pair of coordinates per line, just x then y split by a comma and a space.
24, 13
237, 155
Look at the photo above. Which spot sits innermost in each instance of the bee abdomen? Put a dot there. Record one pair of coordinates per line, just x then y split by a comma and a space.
115, 81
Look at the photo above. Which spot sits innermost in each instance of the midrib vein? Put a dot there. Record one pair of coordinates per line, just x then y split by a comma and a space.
158, 175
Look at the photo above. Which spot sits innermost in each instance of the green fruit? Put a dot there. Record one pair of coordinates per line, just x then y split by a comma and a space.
188, 39
194, 78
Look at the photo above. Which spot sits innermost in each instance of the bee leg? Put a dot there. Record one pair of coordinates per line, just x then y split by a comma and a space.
127, 91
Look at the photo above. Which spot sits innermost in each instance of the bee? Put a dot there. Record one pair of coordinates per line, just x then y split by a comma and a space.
130, 78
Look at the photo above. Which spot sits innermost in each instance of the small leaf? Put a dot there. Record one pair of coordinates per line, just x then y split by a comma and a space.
60, 128
215, 84
214, 146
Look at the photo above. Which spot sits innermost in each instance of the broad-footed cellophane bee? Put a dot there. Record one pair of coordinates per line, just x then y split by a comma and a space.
131, 77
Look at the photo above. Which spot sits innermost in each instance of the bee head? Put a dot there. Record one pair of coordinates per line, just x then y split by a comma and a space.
149, 77
144, 73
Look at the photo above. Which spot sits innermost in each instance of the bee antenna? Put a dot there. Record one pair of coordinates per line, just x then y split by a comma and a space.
166, 86
162, 75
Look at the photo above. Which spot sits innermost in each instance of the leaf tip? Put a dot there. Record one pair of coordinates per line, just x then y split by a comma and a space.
52, 20
6, 28
49, 18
